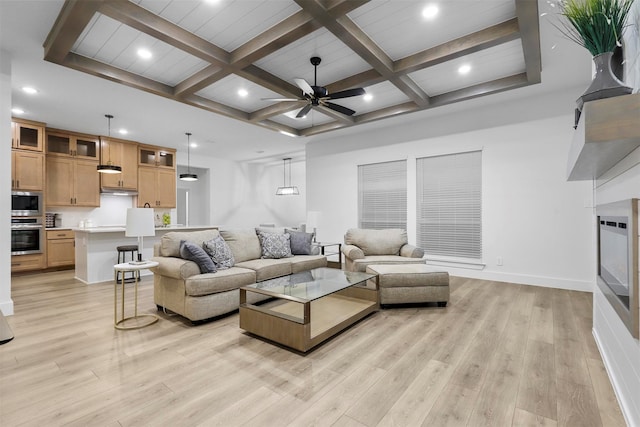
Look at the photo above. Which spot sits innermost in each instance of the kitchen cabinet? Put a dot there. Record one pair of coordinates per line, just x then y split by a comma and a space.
27, 135
69, 144
27, 170
157, 187
72, 182
27, 262
159, 157
125, 155
60, 248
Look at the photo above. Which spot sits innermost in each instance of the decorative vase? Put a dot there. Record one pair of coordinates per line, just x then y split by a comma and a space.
605, 84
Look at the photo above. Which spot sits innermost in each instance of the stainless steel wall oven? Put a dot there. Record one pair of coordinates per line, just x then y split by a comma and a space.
27, 236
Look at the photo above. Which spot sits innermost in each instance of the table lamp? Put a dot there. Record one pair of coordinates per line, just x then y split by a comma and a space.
313, 217
140, 223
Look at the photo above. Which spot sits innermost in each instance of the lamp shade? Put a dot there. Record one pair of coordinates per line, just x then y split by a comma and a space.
140, 222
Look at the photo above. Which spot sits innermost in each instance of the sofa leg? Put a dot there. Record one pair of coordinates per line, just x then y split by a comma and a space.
442, 303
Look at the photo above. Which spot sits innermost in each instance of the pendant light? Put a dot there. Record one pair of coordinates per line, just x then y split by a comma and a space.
108, 167
188, 176
287, 190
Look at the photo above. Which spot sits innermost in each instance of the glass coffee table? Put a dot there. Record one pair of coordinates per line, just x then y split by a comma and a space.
307, 308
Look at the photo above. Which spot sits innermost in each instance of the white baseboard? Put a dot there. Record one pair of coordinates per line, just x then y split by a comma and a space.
613, 380
7, 307
523, 279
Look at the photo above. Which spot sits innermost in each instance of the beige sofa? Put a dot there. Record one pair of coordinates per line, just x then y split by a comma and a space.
181, 288
363, 247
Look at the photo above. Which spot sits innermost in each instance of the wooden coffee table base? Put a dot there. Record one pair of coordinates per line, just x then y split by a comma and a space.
304, 325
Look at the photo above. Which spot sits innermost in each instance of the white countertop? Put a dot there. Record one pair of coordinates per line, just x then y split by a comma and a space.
121, 229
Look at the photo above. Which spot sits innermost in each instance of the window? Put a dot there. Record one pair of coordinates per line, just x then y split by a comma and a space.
382, 195
449, 205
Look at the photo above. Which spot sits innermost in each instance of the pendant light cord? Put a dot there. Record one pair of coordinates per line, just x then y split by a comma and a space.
109, 117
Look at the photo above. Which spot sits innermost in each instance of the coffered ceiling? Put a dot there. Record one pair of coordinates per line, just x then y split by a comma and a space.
204, 52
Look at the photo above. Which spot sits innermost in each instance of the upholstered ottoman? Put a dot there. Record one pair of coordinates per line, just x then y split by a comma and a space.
411, 283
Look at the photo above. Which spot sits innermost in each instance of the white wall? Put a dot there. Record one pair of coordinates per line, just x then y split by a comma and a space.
199, 196
6, 303
620, 351
532, 217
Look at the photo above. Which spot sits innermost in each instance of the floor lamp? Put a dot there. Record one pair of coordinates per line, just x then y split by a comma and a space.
140, 223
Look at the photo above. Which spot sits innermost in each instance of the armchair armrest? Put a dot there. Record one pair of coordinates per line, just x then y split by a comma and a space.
352, 252
176, 268
411, 251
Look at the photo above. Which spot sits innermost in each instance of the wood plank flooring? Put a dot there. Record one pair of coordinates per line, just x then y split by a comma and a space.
499, 354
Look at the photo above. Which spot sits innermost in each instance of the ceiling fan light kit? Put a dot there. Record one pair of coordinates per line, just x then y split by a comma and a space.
319, 96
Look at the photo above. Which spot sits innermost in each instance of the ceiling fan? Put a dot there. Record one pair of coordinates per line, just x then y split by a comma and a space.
319, 95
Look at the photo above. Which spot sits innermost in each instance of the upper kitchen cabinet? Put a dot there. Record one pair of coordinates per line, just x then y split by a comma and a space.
27, 170
68, 144
160, 157
72, 182
27, 135
124, 154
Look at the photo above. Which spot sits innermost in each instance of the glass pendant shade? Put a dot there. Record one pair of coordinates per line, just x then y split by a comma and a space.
108, 167
188, 176
287, 190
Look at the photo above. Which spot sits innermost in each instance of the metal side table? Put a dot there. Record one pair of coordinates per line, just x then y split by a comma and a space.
149, 318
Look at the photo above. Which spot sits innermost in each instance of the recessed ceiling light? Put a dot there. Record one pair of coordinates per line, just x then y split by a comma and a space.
123, 131
464, 69
367, 97
17, 111
144, 53
430, 11
243, 92
193, 145
30, 90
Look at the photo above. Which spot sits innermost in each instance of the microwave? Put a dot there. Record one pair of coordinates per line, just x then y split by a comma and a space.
26, 203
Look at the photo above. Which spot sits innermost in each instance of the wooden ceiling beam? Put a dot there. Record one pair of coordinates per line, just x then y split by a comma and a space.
200, 80
70, 23
149, 23
528, 21
275, 110
475, 42
488, 88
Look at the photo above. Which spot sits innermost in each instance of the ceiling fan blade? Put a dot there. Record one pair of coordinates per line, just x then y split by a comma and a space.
303, 112
281, 99
339, 108
306, 87
347, 93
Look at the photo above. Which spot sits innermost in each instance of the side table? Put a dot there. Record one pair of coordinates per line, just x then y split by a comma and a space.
323, 246
149, 318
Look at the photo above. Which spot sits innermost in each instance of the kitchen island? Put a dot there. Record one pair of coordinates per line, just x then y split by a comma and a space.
96, 249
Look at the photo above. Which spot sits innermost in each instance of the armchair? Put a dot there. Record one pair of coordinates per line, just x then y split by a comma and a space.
363, 247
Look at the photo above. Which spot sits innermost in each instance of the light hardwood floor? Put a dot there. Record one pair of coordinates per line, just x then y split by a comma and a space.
500, 354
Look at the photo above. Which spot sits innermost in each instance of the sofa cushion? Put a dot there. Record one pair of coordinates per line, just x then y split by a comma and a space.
300, 242
244, 244
195, 253
275, 246
219, 252
223, 280
176, 268
361, 264
170, 242
307, 262
267, 268
377, 242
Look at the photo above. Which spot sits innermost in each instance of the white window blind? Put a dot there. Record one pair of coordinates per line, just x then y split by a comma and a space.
382, 195
449, 205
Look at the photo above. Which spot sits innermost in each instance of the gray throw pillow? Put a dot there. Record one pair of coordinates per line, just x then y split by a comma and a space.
275, 246
300, 242
219, 252
195, 253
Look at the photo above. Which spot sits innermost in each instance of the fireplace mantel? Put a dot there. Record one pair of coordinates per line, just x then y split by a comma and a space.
608, 130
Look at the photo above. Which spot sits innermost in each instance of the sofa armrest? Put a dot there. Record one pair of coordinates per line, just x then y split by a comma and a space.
411, 251
176, 268
352, 252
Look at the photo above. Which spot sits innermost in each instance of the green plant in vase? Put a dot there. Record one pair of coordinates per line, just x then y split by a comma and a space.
597, 25
166, 219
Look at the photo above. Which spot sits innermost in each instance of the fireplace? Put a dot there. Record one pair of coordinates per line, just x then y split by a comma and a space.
618, 259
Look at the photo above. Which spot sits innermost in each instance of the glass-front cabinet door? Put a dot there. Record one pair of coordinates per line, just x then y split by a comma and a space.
71, 145
156, 156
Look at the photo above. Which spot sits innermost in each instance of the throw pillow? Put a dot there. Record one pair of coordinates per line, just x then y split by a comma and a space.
275, 246
300, 242
195, 253
219, 252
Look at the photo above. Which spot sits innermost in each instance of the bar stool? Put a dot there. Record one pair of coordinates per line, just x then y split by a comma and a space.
122, 258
